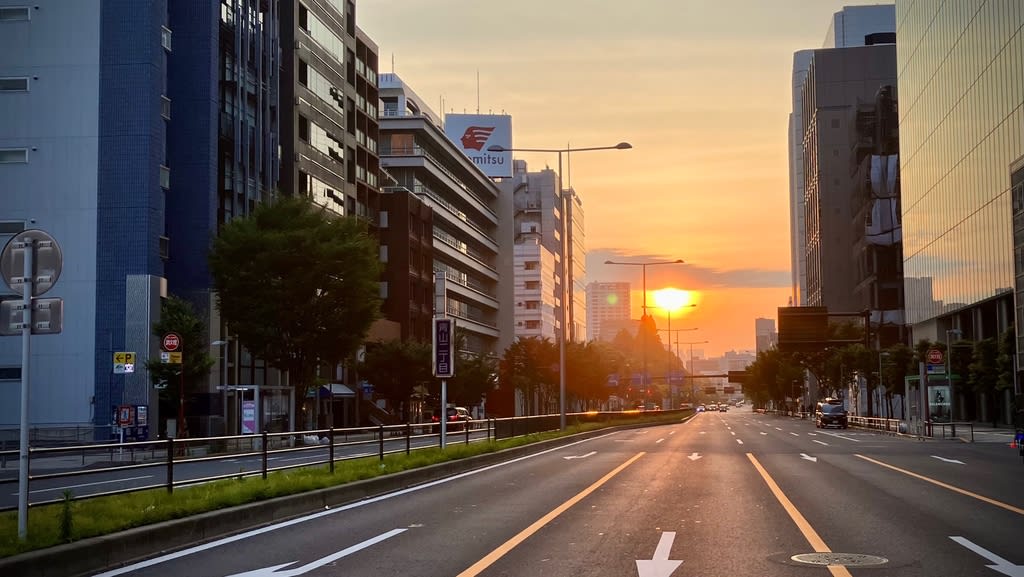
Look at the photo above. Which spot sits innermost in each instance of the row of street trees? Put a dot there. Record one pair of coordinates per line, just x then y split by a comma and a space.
982, 369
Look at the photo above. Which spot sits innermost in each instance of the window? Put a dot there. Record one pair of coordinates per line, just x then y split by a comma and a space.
165, 248
165, 38
531, 265
532, 305
532, 285
10, 373
165, 177
533, 324
165, 107
13, 84
13, 155
14, 13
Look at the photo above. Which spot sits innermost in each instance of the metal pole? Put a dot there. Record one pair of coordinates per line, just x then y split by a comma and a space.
565, 305
643, 333
693, 384
671, 399
444, 413
28, 280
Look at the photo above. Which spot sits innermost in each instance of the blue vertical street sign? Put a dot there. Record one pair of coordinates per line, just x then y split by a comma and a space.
444, 348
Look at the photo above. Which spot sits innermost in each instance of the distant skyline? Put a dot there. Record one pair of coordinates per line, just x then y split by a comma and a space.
702, 92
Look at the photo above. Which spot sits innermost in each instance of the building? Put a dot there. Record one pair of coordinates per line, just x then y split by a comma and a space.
837, 80
766, 337
960, 133
330, 77
92, 170
851, 26
607, 302
467, 231
538, 223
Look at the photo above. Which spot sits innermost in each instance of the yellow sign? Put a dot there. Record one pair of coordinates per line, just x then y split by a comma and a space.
170, 358
124, 358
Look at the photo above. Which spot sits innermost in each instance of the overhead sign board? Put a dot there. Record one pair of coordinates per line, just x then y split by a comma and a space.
444, 348
473, 134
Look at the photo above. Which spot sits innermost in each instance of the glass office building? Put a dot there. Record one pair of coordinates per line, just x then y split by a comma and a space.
961, 93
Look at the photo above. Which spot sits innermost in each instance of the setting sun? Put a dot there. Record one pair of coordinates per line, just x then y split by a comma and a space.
672, 298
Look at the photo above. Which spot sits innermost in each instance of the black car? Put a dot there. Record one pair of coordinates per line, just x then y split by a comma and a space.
831, 414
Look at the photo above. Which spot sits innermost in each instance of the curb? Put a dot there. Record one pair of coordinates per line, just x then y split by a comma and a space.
95, 554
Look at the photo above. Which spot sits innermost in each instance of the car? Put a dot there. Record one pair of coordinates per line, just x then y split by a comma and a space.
831, 413
458, 417
701, 408
723, 408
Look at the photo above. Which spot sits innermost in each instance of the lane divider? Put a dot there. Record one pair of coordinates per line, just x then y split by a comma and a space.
947, 486
815, 540
503, 549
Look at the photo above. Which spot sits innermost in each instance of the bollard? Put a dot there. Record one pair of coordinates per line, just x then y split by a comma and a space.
381, 441
408, 438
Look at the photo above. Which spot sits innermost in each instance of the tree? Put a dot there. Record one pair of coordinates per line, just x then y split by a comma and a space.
178, 316
899, 365
530, 365
588, 366
396, 369
984, 372
297, 285
475, 376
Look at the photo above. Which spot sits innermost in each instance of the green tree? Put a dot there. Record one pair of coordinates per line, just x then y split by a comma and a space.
896, 366
297, 285
531, 366
178, 316
475, 376
396, 369
588, 366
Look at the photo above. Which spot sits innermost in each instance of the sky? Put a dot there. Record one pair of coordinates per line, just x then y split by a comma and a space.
700, 88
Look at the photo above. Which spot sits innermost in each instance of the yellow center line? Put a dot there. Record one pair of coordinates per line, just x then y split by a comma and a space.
815, 540
507, 546
953, 488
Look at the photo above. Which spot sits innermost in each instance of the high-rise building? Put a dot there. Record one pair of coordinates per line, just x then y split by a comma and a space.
837, 80
92, 170
329, 80
538, 224
607, 305
961, 130
851, 26
764, 330
467, 229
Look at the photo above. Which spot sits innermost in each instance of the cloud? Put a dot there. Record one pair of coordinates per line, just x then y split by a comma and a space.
685, 275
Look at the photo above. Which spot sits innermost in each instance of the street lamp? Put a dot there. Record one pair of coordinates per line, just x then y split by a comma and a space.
565, 254
643, 316
693, 394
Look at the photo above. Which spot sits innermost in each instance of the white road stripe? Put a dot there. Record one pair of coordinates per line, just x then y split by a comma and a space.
89, 484
820, 442
740, 441
838, 436
794, 434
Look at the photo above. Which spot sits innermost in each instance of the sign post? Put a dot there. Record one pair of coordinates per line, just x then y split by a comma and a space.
443, 359
172, 346
41, 264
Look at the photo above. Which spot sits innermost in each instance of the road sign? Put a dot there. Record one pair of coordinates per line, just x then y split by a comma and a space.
171, 342
47, 261
444, 348
125, 417
124, 362
47, 316
170, 358
935, 356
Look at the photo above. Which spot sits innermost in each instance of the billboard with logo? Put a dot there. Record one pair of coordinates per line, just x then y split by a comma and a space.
475, 133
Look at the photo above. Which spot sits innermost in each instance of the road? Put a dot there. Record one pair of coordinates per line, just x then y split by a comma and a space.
121, 478
725, 494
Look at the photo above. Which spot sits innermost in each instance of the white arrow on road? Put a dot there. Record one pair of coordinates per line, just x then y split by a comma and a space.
275, 572
693, 456
808, 457
580, 456
947, 460
1001, 565
660, 565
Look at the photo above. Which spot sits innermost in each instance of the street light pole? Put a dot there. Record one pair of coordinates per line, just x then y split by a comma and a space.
693, 376
565, 255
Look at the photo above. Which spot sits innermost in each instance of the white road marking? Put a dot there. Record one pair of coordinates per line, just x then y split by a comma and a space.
740, 441
763, 433
794, 434
838, 436
580, 456
659, 565
733, 433
808, 457
778, 428
274, 571
813, 434
820, 442
947, 460
1000, 565
274, 527
89, 484
659, 440
694, 456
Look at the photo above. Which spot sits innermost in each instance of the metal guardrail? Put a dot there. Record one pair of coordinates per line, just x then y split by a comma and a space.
876, 423
930, 427
171, 454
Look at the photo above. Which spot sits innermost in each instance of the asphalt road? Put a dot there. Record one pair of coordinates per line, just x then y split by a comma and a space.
726, 494
92, 483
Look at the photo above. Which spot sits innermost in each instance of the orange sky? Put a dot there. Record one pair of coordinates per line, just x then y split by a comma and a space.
700, 89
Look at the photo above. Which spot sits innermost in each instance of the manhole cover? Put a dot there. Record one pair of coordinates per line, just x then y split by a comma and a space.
846, 559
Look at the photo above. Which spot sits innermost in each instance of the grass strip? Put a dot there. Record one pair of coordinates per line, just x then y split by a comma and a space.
113, 513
